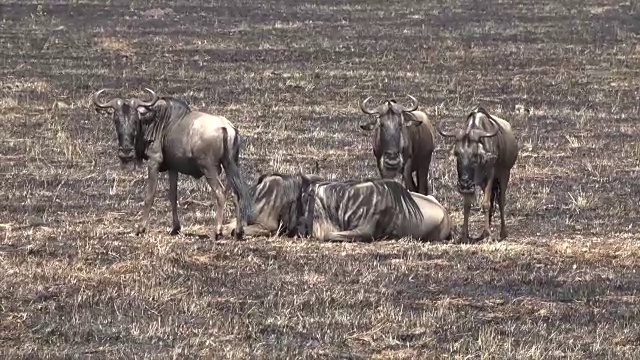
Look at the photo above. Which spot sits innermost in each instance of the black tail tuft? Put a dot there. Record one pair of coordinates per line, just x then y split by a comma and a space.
230, 162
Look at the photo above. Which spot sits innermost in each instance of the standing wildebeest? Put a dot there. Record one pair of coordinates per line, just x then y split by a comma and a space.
485, 153
172, 137
403, 142
355, 210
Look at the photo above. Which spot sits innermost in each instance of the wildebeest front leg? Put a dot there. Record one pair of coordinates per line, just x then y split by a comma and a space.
407, 175
504, 181
173, 199
486, 208
152, 183
250, 230
213, 178
468, 198
348, 236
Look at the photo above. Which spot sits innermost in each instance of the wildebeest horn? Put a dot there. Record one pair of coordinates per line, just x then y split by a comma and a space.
414, 104
453, 133
153, 101
476, 134
363, 107
97, 103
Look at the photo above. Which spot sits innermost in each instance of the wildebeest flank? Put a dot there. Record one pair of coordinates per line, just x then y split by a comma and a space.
276, 199
485, 152
371, 209
403, 142
173, 138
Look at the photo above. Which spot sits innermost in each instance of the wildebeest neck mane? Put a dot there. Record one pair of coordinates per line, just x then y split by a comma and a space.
167, 112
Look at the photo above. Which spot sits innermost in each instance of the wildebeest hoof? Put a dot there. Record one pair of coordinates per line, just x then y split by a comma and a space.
175, 230
140, 229
238, 235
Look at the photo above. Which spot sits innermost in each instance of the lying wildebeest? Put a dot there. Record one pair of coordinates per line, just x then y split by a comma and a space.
356, 210
485, 153
173, 138
403, 142
276, 199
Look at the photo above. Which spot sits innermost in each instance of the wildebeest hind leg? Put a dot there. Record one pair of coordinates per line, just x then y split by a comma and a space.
501, 202
361, 233
173, 199
213, 178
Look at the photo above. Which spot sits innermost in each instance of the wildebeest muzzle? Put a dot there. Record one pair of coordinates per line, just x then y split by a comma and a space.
126, 154
465, 183
392, 160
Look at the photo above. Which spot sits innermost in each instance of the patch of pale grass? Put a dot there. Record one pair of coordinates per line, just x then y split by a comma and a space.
11, 84
115, 45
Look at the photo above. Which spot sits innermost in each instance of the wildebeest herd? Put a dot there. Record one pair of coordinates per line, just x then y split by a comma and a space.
173, 138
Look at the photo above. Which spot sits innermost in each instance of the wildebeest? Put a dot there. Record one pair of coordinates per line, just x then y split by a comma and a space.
403, 142
173, 138
276, 199
353, 210
370, 209
485, 152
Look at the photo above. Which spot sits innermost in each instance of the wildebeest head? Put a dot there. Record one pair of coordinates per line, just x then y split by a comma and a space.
128, 115
472, 157
304, 208
391, 121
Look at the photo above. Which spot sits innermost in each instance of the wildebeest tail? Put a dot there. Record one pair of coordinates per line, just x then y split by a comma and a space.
495, 195
230, 162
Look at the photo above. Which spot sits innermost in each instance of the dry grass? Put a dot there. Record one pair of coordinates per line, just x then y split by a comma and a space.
77, 283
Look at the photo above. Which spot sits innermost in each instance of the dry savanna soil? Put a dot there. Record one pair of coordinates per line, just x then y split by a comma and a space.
76, 282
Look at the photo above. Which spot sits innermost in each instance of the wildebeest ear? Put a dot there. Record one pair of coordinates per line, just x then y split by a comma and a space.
369, 125
412, 122
142, 110
102, 111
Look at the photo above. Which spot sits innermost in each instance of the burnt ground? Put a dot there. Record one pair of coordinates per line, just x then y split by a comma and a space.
290, 74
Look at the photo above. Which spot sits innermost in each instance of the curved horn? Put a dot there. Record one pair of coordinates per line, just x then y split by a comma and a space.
453, 133
477, 134
97, 103
414, 104
153, 101
363, 107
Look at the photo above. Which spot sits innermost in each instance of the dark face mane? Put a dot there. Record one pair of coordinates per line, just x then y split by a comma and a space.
392, 134
392, 137
129, 132
471, 152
